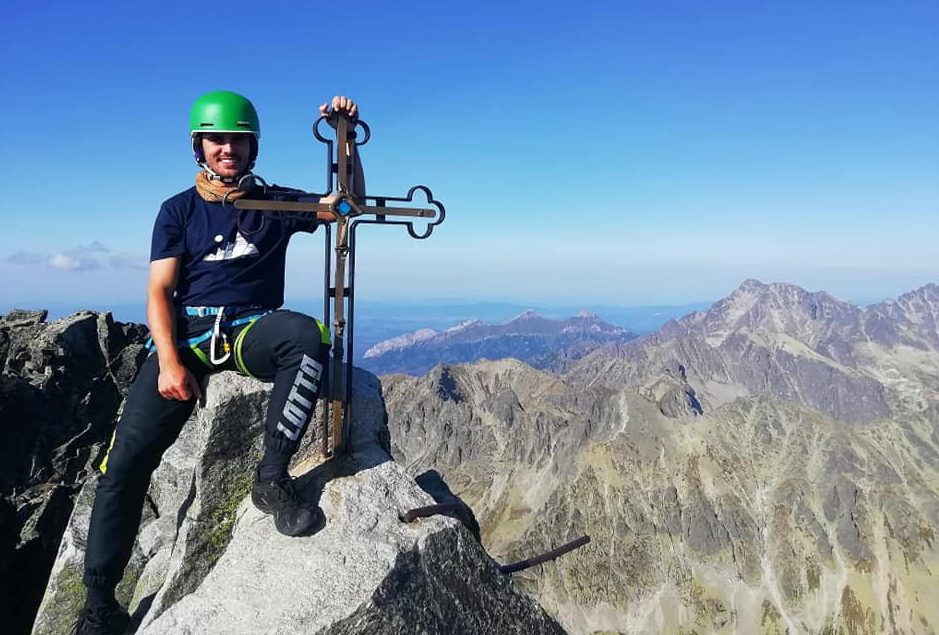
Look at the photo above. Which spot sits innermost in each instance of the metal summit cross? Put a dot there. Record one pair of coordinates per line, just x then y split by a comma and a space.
340, 204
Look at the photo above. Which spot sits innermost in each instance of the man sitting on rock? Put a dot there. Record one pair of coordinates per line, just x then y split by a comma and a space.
215, 286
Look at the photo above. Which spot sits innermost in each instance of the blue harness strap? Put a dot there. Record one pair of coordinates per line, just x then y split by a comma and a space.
195, 341
203, 311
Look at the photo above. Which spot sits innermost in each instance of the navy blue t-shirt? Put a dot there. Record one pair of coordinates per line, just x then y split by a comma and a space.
222, 266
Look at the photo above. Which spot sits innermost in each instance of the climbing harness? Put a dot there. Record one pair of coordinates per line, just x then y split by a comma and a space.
217, 334
348, 210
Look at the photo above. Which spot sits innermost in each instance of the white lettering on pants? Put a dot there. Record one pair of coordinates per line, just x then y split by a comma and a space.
296, 412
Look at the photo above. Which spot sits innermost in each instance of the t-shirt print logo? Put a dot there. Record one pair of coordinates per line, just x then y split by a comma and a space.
237, 249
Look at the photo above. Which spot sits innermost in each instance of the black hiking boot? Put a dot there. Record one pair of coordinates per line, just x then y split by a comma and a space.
108, 620
292, 515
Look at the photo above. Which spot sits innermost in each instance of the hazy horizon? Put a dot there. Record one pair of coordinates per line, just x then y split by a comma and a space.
443, 312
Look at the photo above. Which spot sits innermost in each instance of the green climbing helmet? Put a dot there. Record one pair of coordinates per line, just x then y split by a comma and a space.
223, 111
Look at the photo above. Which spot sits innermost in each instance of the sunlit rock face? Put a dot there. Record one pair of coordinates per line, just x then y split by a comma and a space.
768, 465
206, 561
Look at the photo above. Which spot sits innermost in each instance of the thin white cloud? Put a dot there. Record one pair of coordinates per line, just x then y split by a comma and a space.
88, 257
70, 262
83, 251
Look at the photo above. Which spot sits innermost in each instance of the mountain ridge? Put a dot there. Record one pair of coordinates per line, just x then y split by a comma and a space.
544, 343
781, 340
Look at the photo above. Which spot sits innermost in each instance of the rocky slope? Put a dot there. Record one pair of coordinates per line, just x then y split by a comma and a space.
769, 465
853, 364
206, 561
60, 386
542, 343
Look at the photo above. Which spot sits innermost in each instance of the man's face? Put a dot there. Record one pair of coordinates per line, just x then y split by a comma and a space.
227, 153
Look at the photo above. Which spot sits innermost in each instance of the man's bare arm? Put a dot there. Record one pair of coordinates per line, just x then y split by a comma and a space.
176, 382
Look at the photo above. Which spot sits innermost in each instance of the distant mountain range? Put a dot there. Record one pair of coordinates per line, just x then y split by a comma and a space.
779, 340
540, 342
768, 465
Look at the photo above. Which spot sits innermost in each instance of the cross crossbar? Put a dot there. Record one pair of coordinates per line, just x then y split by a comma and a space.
325, 211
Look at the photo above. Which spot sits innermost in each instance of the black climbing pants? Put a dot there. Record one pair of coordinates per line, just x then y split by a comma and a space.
287, 348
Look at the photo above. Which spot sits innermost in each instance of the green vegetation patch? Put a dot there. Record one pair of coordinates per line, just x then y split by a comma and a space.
125, 588
856, 618
221, 519
813, 574
69, 598
771, 620
209, 538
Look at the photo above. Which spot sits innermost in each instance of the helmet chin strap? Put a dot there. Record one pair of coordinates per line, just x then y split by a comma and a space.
212, 175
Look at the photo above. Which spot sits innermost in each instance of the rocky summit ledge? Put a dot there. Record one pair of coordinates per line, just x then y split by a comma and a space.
206, 561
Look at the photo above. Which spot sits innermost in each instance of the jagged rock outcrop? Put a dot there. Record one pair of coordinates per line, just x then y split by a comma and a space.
763, 509
60, 387
545, 344
207, 561
672, 393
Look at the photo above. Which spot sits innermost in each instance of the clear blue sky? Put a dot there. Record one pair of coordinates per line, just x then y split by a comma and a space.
617, 153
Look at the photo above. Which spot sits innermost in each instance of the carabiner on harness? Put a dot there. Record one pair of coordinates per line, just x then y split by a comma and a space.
218, 334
